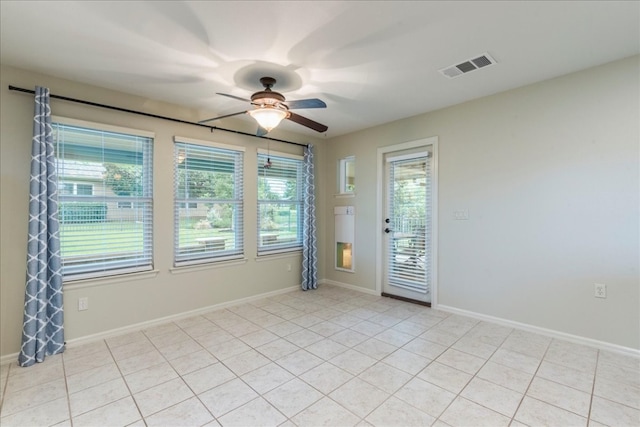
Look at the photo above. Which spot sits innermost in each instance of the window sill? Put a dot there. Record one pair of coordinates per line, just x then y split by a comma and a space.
207, 266
277, 255
101, 281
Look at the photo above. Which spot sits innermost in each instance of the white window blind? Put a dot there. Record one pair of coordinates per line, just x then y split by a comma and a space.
280, 189
99, 172
409, 249
208, 204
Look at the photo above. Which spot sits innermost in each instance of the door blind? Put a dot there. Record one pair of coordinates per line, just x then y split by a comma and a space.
409, 204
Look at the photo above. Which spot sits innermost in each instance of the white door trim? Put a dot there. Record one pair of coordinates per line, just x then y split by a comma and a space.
430, 141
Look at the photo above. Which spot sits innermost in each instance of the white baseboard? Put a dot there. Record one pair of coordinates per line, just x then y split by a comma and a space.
603, 345
628, 351
9, 358
348, 286
497, 320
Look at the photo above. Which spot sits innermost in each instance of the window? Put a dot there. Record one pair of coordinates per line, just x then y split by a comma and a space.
279, 203
347, 179
188, 205
208, 208
73, 189
84, 189
100, 169
66, 189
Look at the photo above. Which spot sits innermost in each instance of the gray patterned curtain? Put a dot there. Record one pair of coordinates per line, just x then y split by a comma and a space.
43, 331
309, 249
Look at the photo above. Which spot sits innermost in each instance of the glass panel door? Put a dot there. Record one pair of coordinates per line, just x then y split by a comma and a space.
408, 225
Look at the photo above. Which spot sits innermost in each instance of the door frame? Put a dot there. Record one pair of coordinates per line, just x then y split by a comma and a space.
430, 142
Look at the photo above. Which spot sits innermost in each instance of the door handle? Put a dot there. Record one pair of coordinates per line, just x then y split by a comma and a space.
387, 230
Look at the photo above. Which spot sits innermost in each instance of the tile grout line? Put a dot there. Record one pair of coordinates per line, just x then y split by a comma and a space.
568, 386
259, 395
593, 387
124, 381
328, 361
295, 376
414, 376
459, 394
180, 375
66, 388
531, 381
4, 388
174, 370
68, 393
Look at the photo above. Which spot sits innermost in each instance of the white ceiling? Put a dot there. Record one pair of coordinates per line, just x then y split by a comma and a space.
372, 62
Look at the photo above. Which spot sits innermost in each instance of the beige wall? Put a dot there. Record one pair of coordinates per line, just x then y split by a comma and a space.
116, 305
548, 172
550, 176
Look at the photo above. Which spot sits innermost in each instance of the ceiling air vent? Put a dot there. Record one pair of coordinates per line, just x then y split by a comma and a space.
467, 66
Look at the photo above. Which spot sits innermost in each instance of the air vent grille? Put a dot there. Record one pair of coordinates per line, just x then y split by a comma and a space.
451, 72
467, 66
481, 61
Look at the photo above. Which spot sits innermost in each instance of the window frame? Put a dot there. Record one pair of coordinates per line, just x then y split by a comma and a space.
273, 249
344, 166
74, 269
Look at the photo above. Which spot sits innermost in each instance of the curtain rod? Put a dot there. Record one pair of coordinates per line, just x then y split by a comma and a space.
111, 107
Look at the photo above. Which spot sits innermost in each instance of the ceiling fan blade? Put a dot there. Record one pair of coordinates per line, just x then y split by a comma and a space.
233, 96
318, 127
261, 131
221, 117
306, 103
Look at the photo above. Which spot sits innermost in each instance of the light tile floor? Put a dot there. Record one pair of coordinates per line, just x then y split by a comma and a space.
330, 357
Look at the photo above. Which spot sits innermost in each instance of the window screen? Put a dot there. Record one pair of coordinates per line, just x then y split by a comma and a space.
279, 203
99, 173
208, 204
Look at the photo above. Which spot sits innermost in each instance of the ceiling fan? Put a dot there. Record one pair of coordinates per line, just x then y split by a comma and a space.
271, 108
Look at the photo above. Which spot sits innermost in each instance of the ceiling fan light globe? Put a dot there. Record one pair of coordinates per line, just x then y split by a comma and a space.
268, 117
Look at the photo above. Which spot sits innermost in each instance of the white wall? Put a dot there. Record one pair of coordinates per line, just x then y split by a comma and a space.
550, 176
120, 304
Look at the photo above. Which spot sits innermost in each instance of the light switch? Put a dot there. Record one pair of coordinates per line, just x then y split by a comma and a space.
461, 214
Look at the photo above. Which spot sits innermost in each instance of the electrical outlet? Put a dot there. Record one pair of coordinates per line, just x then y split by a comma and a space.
600, 290
83, 303
288, 267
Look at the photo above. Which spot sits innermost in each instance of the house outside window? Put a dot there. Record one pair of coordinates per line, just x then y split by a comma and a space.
75, 189
84, 189
102, 169
208, 203
280, 189
191, 205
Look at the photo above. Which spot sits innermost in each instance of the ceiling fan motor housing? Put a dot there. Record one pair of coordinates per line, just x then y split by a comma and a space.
267, 97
